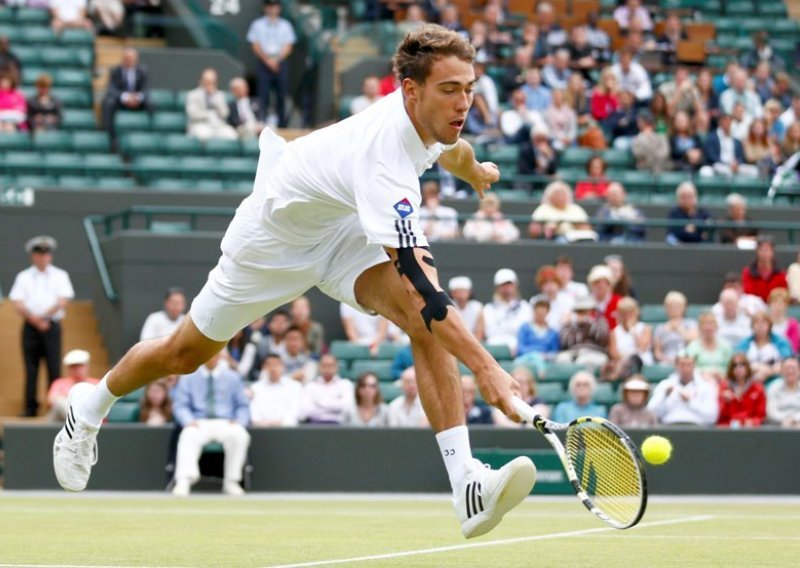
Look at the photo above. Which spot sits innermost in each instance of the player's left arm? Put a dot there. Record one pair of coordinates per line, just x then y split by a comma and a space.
460, 161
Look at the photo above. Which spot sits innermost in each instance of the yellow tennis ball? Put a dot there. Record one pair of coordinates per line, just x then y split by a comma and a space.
656, 450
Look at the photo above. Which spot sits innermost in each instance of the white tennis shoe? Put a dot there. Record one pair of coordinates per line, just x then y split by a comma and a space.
489, 494
75, 447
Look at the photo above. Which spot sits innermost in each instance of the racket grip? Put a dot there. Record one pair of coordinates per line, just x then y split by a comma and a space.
525, 412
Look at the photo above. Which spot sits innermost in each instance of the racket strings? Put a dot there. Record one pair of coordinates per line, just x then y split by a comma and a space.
607, 470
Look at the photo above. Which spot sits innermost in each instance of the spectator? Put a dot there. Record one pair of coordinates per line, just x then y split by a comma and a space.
763, 275
791, 114
623, 286
127, 89
406, 410
667, 42
558, 218
709, 99
793, 279
481, 122
672, 336
70, 14
596, 184
775, 128
791, 141
604, 98
764, 348
632, 412
740, 123
582, 55
40, 295
276, 397
585, 339
370, 94
685, 397
475, 411
537, 336
44, 110
623, 124
297, 360
507, 312
415, 17
527, 392
733, 321
742, 401
9, 62
326, 399
711, 352
762, 52
551, 290
207, 110
601, 286
598, 38
470, 310
738, 92
578, 99
211, 406
13, 107
742, 234
486, 87
274, 340
369, 409
556, 74
485, 50
363, 328
783, 396
300, 312
155, 408
748, 303
659, 110
440, 223
548, 28
565, 271
403, 359
650, 148
517, 121
76, 363
241, 353
450, 19
537, 96
164, 322
110, 15
632, 77
581, 388
763, 84
537, 156
244, 112
782, 90
272, 39
489, 224
633, 340
561, 121
632, 10
616, 209
690, 215
681, 94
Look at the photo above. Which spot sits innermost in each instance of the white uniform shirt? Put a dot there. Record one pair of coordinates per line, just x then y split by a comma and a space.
276, 401
158, 324
636, 80
404, 415
366, 325
69, 10
40, 290
472, 310
503, 320
327, 402
702, 407
366, 167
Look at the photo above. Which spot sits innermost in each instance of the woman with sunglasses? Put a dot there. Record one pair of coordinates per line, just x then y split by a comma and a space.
742, 400
369, 411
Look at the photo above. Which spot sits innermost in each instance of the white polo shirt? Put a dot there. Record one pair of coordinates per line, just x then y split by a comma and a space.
40, 290
364, 169
366, 325
159, 324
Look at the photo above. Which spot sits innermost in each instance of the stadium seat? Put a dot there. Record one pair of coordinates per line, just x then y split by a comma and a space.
72, 78
134, 396
223, 148
30, 74
21, 163
198, 168
381, 368
36, 35
694, 310
110, 183
62, 163
344, 106
150, 168
169, 184
388, 350
653, 313
32, 17
551, 393
76, 182
104, 164
656, 373
6, 15
35, 181
239, 185
76, 37
15, 141
390, 391
169, 122
499, 352
560, 372
740, 8
617, 158
58, 57
141, 143
91, 142
207, 185
29, 56
131, 121
52, 141
576, 158
250, 148
347, 351
182, 145
74, 119
238, 168
163, 99
73, 98
124, 412
606, 394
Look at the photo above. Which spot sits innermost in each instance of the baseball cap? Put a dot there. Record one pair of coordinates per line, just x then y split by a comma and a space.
460, 283
77, 357
600, 272
504, 276
41, 243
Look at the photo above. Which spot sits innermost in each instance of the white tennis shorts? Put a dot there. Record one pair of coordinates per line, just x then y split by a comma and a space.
259, 272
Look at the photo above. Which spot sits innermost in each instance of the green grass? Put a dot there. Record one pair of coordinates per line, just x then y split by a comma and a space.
144, 530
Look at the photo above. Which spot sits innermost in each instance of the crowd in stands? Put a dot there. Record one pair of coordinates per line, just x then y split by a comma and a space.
105, 17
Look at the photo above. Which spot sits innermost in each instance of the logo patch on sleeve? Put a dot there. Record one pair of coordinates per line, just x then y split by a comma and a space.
404, 208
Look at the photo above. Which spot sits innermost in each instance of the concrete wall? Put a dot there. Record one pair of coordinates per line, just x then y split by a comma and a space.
357, 460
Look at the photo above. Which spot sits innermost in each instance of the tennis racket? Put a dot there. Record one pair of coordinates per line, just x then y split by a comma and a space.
602, 464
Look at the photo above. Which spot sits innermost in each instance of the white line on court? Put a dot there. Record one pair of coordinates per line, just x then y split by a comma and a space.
704, 537
489, 543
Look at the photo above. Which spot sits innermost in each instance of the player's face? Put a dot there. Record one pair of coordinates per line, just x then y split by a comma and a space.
439, 106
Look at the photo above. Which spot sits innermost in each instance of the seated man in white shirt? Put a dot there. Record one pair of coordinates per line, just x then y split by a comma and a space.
406, 411
507, 313
363, 328
327, 397
276, 397
164, 322
733, 323
370, 93
440, 223
685, 397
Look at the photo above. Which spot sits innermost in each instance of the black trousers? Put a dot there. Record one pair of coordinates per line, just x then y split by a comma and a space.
38, 345
268, 80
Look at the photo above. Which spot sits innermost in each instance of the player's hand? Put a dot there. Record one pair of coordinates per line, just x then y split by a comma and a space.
498, 388
486, 173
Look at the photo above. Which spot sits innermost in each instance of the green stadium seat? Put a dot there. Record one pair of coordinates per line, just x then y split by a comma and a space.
141, 143
180, 100
250, 148
76, 37
381, 368
109, 183
571, 175
74, 119
163, 99
135, 396
657, 373
344, 106
551, 393
62, 163
182, 145
223, 148
29, 56
668, 182
170, 227
6, 15
576, 158
124, 412
169, 122
617, 158
708, 186
774, 9
238, 168
76, 182
605, 393
72, 98
16, 163
36, 181
58, 57
794, 311
32, 17
13, 33
15, 141
35, 35
131, 121
740, 8
639, 181
104, 165
561, 372
169, 184
499, 352
73, 78
729, 26
504, 154
30, 74
347, 351
388, 350
150, 168
207, 185
52, 141
390, 391
695, 310
653, 313
198, 167
91, 142
239, 185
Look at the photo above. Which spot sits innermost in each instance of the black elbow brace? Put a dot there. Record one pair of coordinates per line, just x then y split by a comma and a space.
436, 302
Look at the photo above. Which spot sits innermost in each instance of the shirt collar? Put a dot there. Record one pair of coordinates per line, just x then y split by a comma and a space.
421, 156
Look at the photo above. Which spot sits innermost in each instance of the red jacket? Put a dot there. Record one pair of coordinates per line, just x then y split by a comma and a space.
749, 410
610, 313
754, 283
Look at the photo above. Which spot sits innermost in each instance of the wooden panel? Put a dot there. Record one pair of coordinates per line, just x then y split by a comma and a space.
701, 31
691, 51
524, 7
585, 7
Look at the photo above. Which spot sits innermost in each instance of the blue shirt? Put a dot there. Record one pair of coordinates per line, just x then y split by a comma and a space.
538, 98
230, 401
271, 35
569, 410
529, 339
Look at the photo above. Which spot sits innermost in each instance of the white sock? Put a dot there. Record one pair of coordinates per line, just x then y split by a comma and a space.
456, 452
95, 407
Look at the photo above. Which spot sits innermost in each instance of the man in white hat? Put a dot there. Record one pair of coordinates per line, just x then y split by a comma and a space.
76, 364
632, 412
507, 312
601, 284
40, 294
471, 310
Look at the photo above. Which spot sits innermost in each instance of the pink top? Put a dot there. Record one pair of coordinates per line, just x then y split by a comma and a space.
13, 107
60, 387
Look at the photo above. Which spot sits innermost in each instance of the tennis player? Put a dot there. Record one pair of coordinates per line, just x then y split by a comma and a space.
339, 209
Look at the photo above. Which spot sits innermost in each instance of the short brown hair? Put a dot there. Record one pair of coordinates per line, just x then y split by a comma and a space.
44, 81
424, 46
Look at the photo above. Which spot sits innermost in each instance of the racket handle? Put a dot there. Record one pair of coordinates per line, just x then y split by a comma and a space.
525, 412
